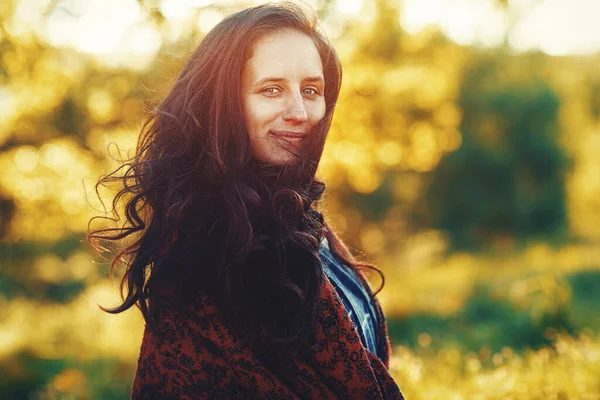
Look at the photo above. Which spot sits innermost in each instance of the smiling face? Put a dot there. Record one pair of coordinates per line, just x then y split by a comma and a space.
282, 94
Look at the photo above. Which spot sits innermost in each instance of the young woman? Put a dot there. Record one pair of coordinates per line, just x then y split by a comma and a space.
246, 291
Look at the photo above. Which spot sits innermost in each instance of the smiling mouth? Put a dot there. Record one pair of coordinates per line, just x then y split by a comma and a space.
289, 134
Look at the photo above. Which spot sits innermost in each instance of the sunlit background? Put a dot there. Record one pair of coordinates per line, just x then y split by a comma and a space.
463, 161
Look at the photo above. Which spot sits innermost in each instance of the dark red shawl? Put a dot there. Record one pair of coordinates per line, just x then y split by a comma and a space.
197, 356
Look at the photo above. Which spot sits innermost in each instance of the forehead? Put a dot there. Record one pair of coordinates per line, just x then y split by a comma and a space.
287, 54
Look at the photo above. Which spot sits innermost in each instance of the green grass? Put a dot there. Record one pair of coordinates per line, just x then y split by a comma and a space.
492, 318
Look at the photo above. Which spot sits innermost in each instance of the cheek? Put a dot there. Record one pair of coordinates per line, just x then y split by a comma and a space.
258, 114
317, 112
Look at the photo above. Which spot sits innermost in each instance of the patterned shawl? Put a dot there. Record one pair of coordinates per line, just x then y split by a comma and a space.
197, 356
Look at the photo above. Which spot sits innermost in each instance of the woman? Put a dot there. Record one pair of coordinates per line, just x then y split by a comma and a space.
246, 291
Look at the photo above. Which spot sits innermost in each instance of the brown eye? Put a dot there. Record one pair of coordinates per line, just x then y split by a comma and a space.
311, 91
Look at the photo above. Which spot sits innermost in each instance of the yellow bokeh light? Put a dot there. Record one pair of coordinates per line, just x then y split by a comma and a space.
119, 143
364, 180
406, 188
47, 185
72, 201
340, 222
132, 109
69, 380
29, 190
346, 152
448, 115
434, 89
424, 339
425, 150
81, 265
26, 158
100, 105
390, 153
398, 80
372, 239
450, 139
50, 268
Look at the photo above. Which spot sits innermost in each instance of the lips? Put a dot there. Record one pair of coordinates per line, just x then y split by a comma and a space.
289, 134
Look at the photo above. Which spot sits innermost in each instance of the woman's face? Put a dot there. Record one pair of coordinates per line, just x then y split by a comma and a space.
282, 94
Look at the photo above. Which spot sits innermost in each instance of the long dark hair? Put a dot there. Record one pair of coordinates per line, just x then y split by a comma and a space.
203, 216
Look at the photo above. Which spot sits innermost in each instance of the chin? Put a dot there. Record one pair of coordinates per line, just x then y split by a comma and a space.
275, 157
284, 160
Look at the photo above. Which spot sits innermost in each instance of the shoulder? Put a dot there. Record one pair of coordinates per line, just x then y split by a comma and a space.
177, 352
186, 321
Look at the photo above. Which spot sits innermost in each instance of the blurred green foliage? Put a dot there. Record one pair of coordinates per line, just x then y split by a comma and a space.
484, 321
508, 178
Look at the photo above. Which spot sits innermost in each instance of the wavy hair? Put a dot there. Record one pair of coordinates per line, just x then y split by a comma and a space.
202, 215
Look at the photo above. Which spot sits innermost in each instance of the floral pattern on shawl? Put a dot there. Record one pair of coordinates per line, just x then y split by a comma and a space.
195, 355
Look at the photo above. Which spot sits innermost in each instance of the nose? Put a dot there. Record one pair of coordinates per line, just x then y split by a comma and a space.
296, 110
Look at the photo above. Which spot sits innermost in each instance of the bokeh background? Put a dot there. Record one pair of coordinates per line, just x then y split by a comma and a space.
463, 161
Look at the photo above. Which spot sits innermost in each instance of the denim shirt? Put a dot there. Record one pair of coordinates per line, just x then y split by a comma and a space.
355, 299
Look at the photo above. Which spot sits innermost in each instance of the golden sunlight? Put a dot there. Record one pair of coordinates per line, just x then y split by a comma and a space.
348, 6
556, 27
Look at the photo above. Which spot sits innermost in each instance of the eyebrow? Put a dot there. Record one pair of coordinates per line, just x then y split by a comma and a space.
315, 79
